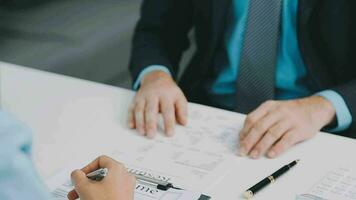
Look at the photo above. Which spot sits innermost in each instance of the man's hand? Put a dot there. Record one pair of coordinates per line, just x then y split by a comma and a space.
158, 94
276, 126
117, 185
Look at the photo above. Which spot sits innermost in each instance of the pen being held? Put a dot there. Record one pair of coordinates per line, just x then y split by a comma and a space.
114, 182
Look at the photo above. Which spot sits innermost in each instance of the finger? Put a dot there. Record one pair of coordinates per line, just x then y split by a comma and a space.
72, 195
271, 137
100, 162
182, 111
139, 116
254, 117
168, 113
151, 112
286, 142
257, 131
78, 179
131, 117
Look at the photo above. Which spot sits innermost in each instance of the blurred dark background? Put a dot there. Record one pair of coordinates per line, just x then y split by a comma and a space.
88, 39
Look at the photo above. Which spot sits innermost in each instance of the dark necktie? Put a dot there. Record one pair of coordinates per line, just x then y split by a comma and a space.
256, 79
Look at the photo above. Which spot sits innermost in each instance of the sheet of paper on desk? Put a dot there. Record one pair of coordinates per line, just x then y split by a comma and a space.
339, 184
196, 158
210, 128
142, 192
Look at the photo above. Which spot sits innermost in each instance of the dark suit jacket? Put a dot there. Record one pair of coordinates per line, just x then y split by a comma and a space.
326, 35
21, 4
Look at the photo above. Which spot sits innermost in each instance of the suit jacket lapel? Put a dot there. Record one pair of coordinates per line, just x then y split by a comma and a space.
305, 9
312, 61
219, 10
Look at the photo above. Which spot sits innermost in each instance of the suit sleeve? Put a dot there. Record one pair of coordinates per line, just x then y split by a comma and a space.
161, 35
348, 89
348, 92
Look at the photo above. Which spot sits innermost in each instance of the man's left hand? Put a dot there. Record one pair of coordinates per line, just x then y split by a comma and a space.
276, 126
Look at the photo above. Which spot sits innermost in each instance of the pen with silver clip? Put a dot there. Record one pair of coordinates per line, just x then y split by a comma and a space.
98, 175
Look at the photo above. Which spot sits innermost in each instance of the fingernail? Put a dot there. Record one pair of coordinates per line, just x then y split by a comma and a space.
170, 132
272, 154
254, 154
151, 133
141, 131
242, 151
185, 122
130, 125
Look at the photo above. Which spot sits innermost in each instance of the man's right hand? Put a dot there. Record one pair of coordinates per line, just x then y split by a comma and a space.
117, 185
158, 94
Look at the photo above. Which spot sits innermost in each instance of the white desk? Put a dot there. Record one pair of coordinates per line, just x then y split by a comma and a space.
67, 115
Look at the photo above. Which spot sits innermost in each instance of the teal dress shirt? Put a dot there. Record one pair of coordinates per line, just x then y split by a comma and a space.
292, 79
18, 178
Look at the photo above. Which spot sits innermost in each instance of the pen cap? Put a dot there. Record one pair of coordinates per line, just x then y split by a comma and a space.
248, 194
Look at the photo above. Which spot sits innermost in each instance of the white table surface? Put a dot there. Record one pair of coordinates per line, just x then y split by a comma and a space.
61, 111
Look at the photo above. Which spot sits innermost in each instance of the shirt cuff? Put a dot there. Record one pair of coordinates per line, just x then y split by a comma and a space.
343, 114
147, 70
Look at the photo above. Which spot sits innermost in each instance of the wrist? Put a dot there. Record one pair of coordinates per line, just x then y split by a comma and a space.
154, 76
322, 111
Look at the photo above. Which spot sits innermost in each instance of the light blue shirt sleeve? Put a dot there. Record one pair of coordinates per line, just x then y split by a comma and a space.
147, 70
18, 178
343, 114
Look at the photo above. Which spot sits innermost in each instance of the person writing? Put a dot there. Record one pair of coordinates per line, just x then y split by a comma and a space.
118, 185
287, 64
19, 179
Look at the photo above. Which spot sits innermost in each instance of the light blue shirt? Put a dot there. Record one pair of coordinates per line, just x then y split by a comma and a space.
292, 79
18, 178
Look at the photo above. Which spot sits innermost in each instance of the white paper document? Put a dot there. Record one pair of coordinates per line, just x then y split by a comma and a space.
339, 184
196, 158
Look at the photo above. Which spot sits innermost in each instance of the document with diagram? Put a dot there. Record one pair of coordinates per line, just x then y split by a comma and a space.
197, 157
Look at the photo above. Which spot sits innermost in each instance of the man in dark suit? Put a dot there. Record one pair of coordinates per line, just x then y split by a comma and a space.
288, 64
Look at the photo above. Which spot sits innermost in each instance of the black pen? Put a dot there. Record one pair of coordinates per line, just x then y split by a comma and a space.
270, 179
161, 185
